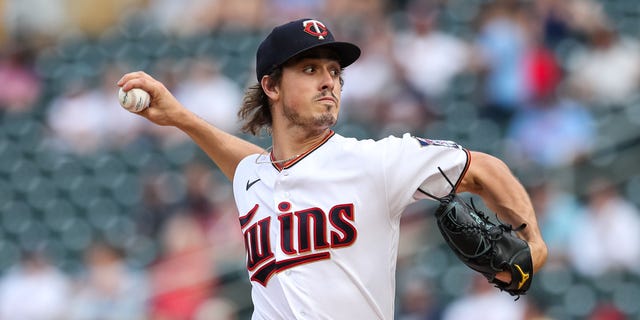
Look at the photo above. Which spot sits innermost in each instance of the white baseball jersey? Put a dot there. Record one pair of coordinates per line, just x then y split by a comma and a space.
321, 231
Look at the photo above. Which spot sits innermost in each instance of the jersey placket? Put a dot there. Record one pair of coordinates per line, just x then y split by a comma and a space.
284, 207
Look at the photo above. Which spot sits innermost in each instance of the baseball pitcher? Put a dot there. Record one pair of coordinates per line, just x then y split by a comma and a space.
320, 212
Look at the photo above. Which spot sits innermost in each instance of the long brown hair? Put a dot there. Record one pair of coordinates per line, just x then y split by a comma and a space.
256, 107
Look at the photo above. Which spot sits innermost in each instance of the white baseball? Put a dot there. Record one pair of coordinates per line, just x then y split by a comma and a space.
134, 100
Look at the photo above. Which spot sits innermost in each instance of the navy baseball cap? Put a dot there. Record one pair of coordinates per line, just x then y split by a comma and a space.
295, 37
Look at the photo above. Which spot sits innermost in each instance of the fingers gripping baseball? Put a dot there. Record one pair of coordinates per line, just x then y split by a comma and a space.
163, 108
139, 79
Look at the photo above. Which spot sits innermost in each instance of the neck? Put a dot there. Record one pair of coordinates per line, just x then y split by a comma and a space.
288, 146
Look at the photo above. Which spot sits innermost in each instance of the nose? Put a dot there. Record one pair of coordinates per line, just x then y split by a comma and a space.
328, 80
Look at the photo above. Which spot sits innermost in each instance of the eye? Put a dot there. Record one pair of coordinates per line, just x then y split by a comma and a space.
308, 69
336, 72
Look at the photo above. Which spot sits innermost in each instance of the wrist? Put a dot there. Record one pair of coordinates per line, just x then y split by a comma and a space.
538, 254
184, 119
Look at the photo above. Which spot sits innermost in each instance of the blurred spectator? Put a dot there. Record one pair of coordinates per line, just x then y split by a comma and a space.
109, 289
427, 57
154, 210
205, 15
200, 190
403, 111
206, 197
353, 12
202, 15
225, 236
76, 119
417, 301
217, 309
585, 16
557, 211
87, 118
92, 18
606, 238
485, 302
210, 94
607, 71
209, 202
607, 311
33, 289
240, 15
288, 10
566, 22
502, 43
551, 131
21, 87
555, 16
25, 23
364, 90
535, 310
542, 71
183, 277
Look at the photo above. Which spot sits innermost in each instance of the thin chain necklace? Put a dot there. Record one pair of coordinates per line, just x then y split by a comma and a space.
266, 154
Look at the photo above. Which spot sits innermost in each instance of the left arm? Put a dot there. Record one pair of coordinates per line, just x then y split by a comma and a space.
491, 179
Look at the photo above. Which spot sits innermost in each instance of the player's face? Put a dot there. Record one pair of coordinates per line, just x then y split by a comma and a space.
310, 91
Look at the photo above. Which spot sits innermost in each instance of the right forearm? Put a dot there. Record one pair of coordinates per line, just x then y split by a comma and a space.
226, 150
223, 148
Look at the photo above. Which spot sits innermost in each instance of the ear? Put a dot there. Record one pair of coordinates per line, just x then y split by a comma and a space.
270, 87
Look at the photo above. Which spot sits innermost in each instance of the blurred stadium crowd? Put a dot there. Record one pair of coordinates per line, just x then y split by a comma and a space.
105, 216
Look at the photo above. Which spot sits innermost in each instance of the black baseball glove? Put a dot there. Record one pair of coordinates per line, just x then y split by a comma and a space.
485, 246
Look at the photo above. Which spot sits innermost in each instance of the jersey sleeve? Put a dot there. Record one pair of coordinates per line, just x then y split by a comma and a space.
418, 168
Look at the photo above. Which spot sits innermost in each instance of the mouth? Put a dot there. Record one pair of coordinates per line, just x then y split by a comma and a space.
328, 100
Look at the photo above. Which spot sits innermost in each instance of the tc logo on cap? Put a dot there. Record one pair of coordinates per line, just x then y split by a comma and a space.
315, 28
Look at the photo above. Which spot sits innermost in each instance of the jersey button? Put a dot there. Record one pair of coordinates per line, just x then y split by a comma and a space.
285, 173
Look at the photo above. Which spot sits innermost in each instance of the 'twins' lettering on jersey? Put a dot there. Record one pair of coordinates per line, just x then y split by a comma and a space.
303, 235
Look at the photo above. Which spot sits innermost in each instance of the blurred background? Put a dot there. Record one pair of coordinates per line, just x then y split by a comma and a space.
105, 216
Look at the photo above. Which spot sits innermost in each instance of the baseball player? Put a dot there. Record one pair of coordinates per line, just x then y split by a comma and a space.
320, 212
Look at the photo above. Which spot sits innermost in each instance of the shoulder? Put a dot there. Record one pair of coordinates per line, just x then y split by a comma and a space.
410, 141
360, 146
339, 142
251, 159
406, 140
392, 147
248, 164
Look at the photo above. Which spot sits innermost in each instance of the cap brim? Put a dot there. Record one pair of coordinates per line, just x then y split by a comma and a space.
347, 52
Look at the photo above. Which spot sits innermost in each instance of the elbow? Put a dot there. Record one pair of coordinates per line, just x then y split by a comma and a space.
482, 168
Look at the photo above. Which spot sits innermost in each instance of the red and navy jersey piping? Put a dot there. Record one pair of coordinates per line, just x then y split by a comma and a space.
464, 171
290, 163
